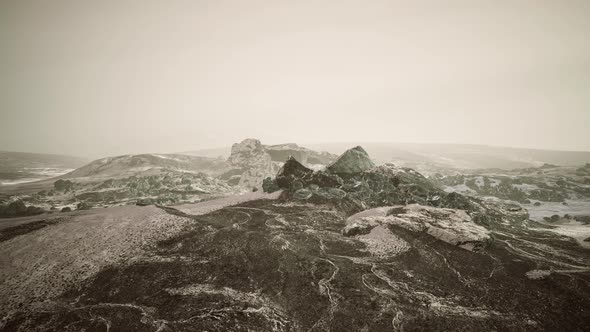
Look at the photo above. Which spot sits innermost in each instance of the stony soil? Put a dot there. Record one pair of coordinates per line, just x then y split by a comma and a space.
269, 265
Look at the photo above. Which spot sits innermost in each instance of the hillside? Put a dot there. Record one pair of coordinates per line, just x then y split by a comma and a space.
128, 165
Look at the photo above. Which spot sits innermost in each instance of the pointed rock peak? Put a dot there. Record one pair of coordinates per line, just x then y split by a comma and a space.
354, 160
291, 172
359, 149
293, 167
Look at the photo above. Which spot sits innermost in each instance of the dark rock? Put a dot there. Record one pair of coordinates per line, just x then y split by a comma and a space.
63, 185
396, 211
325, 179
16, 208
269, 185
66, 209
357, 228
144, 202
83, 206
537, 204
302, 194
292, 172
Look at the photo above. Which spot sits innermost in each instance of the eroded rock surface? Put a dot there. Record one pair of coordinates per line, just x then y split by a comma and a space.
449, 225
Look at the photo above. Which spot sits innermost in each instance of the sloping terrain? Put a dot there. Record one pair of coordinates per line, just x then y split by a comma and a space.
379, 249
128, 165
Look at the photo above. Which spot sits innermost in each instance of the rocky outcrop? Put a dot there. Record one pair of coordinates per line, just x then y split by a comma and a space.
448, 225
355, 184
352, 161
249, 154
251, 160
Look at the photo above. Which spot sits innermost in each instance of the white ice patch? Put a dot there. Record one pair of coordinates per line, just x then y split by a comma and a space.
547, 209
573, 229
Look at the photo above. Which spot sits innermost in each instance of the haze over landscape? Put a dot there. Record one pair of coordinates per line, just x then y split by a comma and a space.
290, 166
111, 78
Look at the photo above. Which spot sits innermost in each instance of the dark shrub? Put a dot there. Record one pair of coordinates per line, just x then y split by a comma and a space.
63, 185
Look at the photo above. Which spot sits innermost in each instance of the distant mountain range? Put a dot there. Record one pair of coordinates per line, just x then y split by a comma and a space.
463, 156
446, 156
17, 167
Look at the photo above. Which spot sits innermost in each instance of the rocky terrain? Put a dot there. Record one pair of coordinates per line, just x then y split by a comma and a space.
156, 179
352, 247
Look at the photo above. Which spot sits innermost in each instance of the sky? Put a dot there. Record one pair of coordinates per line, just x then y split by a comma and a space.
99, 78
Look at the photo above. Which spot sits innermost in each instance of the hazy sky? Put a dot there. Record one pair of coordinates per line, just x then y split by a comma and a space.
96, 78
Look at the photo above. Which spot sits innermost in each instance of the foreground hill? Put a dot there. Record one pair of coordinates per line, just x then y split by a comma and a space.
128, 165
353, 247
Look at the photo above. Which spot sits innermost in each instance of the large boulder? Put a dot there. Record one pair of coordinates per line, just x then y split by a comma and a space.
452, 226
352, 161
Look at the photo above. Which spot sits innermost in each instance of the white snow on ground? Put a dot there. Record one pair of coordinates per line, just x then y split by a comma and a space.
547, 209
216, 204
573, 229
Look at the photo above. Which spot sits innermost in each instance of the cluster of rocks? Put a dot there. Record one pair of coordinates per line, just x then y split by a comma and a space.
354, 183
396, 196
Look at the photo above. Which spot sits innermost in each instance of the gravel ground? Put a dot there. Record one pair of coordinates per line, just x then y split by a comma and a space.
216, 204
39, 266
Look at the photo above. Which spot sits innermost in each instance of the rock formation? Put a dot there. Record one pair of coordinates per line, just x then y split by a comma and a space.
452, 226
252, 162
352, 161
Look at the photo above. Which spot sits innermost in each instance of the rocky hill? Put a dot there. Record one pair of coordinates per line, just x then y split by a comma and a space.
128, 165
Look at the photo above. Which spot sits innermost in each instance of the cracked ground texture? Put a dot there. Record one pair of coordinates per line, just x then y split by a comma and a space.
268, 265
